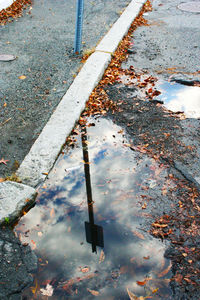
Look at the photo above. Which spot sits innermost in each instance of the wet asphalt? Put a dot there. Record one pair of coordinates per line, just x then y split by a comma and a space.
168, 49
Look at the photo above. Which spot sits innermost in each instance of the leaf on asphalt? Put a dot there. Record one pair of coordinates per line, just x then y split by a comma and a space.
22, 77
102, 256
3, 161
144, 206
93, 292
146, 257
159, 225
85, 269
48, 291
165, 271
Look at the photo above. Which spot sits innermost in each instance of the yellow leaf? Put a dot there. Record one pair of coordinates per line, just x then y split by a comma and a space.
93, 292
34, 288
102, 257
22, 77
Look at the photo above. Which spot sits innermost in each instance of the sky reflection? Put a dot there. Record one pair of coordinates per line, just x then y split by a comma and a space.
178, 97
55, 226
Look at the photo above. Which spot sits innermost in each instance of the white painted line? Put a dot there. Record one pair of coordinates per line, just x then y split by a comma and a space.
5, 4
45, 150
112, 39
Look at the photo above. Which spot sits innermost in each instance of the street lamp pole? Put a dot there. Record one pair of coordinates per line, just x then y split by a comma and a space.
79, 25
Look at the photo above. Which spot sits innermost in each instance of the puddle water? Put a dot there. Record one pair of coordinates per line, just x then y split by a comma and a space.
95, 243
179, 97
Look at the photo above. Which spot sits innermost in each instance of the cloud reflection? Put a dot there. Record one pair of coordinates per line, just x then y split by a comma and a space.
116, 189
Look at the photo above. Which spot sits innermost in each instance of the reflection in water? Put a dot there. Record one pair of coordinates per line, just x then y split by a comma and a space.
121, 182
94, 233
178, 97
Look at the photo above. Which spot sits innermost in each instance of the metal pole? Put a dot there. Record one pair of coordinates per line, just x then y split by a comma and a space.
79, 25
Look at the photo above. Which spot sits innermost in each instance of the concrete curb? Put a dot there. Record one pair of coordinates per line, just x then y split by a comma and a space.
45, 150
14, 197
5, 4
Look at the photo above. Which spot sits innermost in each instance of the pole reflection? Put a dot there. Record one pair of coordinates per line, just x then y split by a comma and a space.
94, 233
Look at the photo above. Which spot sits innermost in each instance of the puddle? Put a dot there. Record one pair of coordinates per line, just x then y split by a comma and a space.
178, 97
95, 243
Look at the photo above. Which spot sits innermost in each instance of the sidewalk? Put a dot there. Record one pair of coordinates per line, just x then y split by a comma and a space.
43, 41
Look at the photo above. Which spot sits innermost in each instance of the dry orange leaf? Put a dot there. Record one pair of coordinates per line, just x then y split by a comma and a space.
142, 282
102, 256
22, 77
131, 295
52, 213
34, 245
85, 270
164, 272
93, 292
159, 225
138, 234
144, 205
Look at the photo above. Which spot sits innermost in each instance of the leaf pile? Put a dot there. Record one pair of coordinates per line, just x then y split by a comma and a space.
99, 102
182, 227
13, 11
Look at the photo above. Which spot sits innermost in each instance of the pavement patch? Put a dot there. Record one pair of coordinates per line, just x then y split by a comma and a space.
14, 197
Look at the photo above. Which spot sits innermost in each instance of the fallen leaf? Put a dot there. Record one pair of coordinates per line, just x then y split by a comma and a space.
93, 292
142, 282
34, 288
22, 77
131, 295
33, 247
138, 234
144, 205
155, 290
159, 225
3, 161
102, 257
52, 213
146, 257
39, 233
164, 272
48, 291
85, 270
